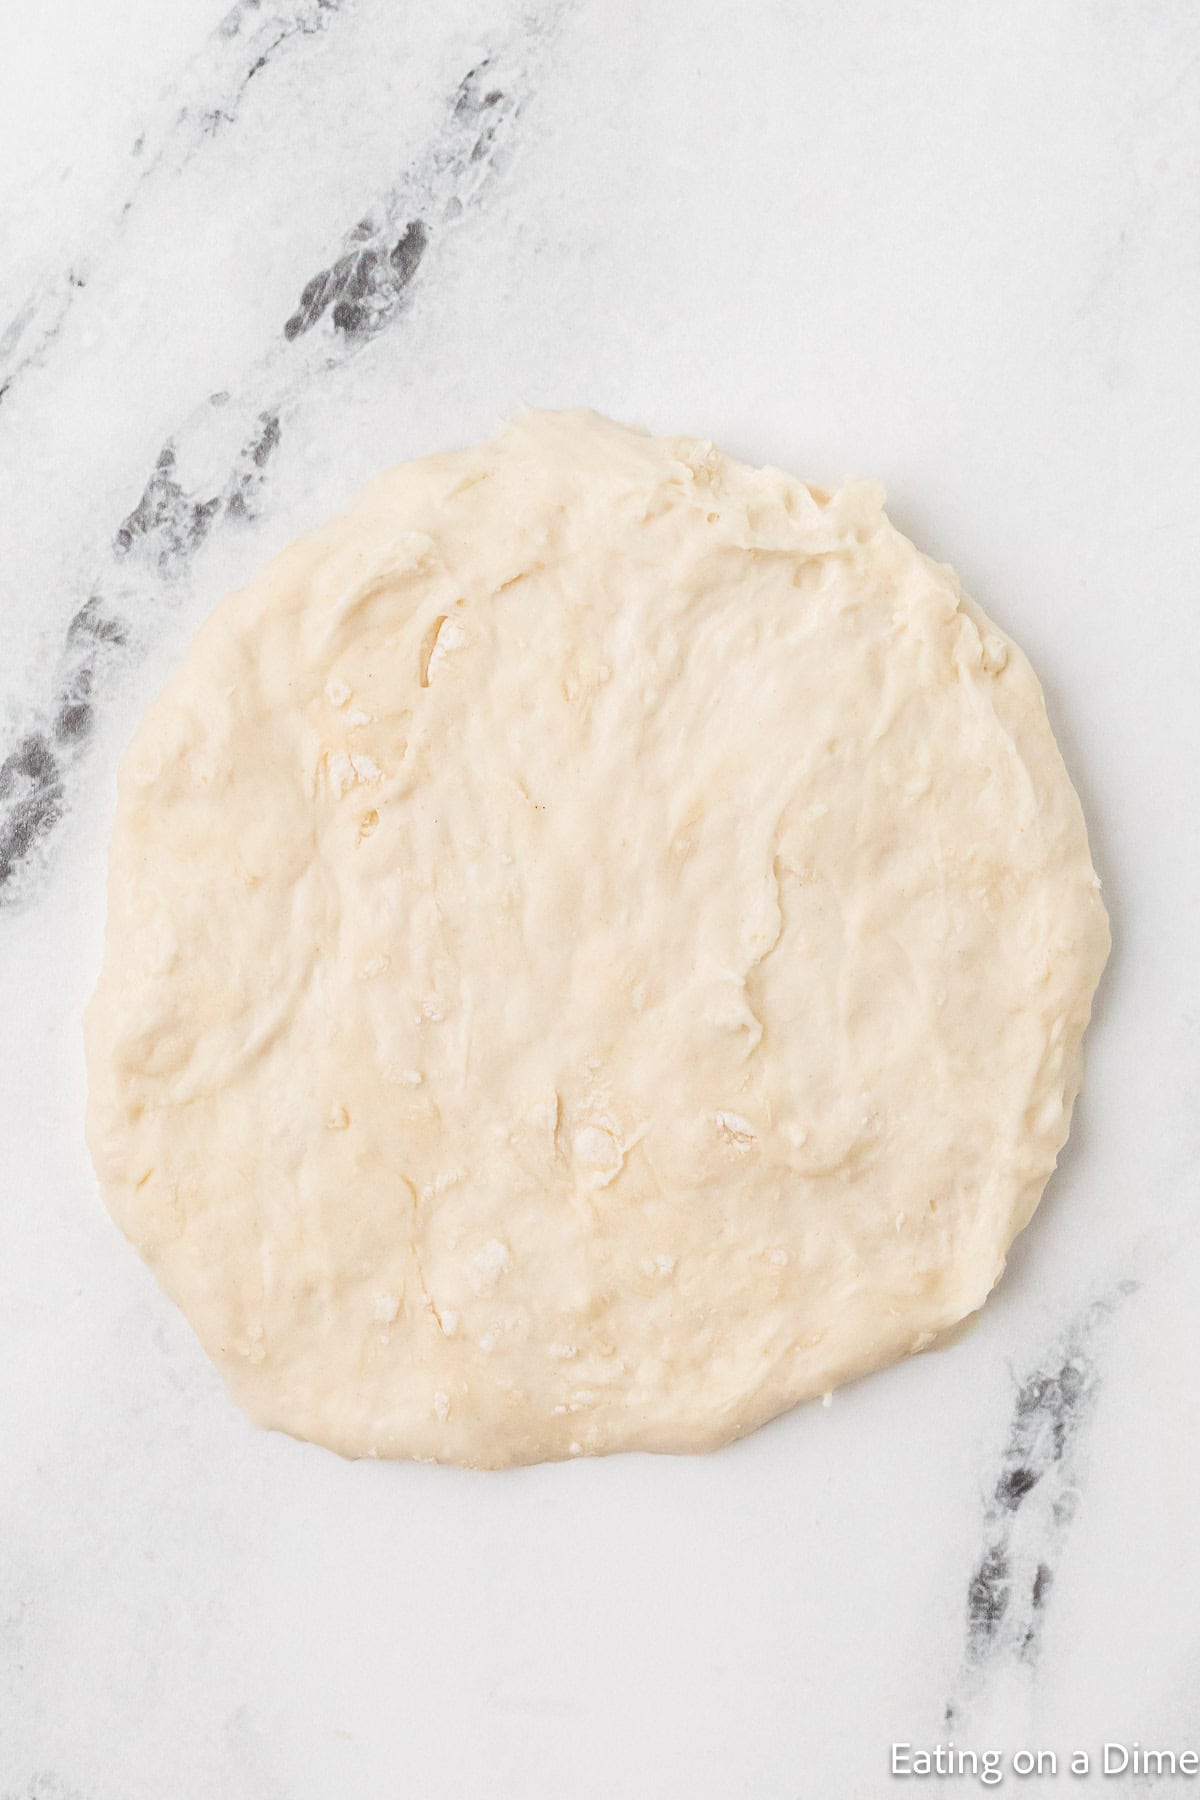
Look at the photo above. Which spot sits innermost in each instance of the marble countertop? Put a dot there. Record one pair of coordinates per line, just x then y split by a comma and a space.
248, 257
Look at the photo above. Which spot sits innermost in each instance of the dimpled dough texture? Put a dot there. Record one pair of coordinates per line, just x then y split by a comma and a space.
599, 942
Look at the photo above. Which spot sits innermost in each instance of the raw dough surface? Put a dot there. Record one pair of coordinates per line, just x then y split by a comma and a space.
599, 942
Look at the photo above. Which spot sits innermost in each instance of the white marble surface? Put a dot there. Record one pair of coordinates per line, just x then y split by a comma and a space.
950, 245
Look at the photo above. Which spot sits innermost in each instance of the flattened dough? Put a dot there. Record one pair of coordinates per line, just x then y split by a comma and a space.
599, 942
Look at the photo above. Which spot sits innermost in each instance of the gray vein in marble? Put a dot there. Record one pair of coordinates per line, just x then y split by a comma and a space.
44, 1786
209, 96
32, 772
262, 31
175, 520
36, 324
211, 471
1029, 1512
362, 289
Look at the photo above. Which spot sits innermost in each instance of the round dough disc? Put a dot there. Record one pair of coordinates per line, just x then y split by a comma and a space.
599, 943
